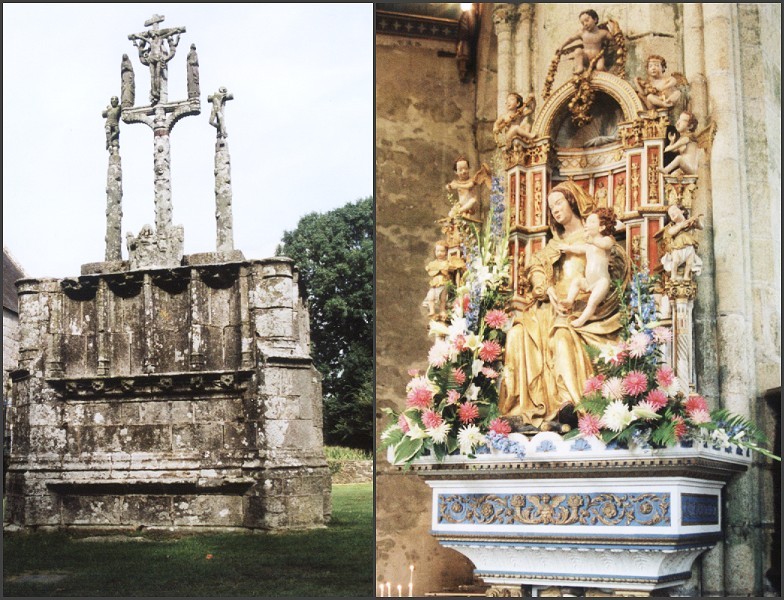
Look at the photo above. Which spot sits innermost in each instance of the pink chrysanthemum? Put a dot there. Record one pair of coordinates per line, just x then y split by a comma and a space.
695, 403
680, 427
419, 397
431, 419
452, 396
438, 354
460, 343
467, 412
403, 424
699, 416
489, 373
589, 424
662, 335
665, 377
459, 376
657, 399
500, 426
613, 389
496, 319
638, 344
635, 383
594, 384
490, 350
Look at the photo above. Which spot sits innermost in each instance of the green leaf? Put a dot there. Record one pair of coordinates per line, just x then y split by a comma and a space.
407, 449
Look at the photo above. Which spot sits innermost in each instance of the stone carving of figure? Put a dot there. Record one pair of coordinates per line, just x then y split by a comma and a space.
439, 271
193, 73
156, 48
517, 120
217, 118
658, 90
619, 202
546, 362
686, 146
128, 86
112, 115
467, 189
595, 41
680, 243
599, 227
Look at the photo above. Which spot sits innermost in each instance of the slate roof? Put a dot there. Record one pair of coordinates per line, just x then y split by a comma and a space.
11, 272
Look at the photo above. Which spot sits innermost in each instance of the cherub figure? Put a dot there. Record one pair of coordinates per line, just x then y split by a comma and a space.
599, 227
686, 146
594, 40
439, 271
658, 90
680, 243
467, 189
517, 120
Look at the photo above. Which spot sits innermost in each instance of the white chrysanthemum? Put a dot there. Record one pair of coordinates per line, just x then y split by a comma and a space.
613, 389
415, 432
617, 416
421, 382
439, 433
638, 344
699, 416
468, 437
674, 388
439, 352
472, 393
644, 410
662, 335
476, 367
388, 432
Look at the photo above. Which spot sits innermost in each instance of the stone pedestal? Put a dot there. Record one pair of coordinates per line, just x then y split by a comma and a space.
180, 398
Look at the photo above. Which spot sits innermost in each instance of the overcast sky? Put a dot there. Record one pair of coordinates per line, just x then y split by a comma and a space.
300, 127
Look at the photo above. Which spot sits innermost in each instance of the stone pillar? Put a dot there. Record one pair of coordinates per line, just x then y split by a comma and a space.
102, 298
523, 81
197, 319
162, 167
114, 206
503, 18
148, 359
733, 284
223, 213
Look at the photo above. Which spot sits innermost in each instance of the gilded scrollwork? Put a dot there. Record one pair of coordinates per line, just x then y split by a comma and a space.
648, 509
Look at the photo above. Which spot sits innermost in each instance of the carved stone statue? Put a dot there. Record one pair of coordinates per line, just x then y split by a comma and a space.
658, 90
467, 189
156, 48
686, 146
112, 115
680, 244
439, 271
128, 82
193, 73
595, 41
516, 123
217, 118
546, 361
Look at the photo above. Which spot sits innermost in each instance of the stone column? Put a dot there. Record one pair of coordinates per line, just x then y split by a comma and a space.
223, 214
733, 285
197, 292
114, 206
162, 167
523, 82
503, 18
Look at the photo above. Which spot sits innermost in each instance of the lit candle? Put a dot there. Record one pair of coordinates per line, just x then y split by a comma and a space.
381, 589
411, 582
399, 591
389, 589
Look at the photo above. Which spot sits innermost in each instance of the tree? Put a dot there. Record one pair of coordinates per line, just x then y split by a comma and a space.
333, 253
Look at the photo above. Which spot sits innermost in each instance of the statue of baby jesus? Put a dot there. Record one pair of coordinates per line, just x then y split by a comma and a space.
599, 227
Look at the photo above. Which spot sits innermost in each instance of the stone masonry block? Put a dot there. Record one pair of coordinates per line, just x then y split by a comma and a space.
206, 437
91, 510
155, 412
217, 510
147, 510
274, 323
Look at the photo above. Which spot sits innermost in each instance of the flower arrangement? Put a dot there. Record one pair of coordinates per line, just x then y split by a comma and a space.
454, 404
636, 399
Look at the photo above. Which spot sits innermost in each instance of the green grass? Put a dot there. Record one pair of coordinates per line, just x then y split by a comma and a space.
336, 561
342, 453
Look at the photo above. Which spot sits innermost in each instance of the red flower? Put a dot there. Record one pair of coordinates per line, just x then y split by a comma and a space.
431, 419
467, 412
680, 427
589, 424
696, 403
459, 376
657, 399
489, 351
665, 377
500, 426
496, 319
635, 383
594, 384
419, 398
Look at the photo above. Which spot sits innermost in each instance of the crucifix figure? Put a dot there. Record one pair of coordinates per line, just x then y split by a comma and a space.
156, 48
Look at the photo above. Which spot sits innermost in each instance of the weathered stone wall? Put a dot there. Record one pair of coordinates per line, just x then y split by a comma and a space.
731, 56
168, 398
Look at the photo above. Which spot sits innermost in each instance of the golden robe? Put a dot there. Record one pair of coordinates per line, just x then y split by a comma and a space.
546, 364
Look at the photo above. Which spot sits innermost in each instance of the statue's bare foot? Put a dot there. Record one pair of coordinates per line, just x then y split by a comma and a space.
579, 321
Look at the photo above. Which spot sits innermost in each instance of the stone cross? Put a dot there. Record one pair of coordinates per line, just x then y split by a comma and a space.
156, 48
